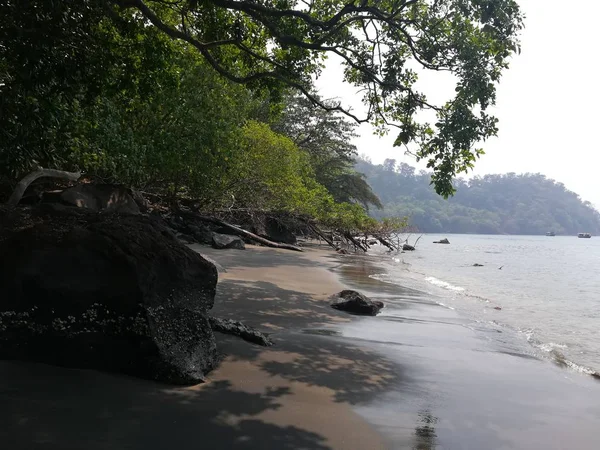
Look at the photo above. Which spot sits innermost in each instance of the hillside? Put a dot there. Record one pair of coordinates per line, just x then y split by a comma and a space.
493, 204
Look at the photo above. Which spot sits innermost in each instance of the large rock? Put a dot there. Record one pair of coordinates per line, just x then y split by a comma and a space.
105, 291
101, 197
408, 248
442, 241
222, 241
356, 303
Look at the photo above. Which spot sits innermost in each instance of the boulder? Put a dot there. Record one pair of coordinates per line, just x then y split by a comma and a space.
222, 241
408, 248
105, 291
356, 303
101, 197
442, 241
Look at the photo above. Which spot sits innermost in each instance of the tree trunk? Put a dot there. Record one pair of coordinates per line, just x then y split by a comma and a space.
321, 235
22, 185
241, 232
356, 244
385, 242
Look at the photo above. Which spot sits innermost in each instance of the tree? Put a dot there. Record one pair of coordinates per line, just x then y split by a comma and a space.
284, 43
326, 137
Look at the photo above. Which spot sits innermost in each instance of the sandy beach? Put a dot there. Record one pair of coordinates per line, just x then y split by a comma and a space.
297, 394
418, 376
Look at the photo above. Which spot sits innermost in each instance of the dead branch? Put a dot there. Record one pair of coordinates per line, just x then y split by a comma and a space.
417, 241
22, 185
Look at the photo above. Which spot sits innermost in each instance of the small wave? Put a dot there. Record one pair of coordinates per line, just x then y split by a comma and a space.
554, 350
384, 277
444, 284
551, 346
445, 306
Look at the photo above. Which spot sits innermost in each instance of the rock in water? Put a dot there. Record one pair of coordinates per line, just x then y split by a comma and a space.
356, 303
408, 248
222, 241
105, 291
442, 241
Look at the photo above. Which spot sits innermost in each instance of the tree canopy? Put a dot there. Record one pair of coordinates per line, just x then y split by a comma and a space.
383, 45
493, 204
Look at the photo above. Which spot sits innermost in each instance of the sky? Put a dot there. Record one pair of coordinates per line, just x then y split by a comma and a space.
548, 101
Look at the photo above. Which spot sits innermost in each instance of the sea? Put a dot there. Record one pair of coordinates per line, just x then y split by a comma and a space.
540, 293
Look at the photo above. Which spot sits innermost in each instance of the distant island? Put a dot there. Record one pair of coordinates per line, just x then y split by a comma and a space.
493, 204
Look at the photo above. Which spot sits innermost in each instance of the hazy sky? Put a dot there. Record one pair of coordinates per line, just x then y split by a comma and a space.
548, 101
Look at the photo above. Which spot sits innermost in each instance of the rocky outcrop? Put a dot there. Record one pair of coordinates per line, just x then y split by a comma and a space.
356, 303
104, 291
442, 241
223, 241
101, 197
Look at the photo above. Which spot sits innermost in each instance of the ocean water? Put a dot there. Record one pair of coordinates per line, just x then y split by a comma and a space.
542, 291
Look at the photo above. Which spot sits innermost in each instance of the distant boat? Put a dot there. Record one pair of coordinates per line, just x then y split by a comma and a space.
584, 235
550, 233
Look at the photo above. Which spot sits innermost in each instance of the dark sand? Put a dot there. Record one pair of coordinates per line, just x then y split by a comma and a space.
297, 394
417, 377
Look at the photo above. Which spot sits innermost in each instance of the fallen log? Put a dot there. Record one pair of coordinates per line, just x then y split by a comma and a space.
240, 231
22, 185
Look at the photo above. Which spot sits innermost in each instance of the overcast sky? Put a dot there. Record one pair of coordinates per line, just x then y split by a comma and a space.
548, 101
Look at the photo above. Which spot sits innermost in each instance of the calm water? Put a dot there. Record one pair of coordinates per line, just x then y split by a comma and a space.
548, 289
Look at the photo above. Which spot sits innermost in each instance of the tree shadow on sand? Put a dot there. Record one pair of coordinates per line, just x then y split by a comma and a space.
353, 371
74, 409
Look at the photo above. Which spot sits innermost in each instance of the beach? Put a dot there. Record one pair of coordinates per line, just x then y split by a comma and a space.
417, 376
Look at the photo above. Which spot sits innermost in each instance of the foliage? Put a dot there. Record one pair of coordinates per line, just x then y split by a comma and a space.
493, 204
181, 97
56, 59
326, 137
382, 45
272, 173
180, 140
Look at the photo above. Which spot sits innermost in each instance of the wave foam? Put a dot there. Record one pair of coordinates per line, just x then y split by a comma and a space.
444, 284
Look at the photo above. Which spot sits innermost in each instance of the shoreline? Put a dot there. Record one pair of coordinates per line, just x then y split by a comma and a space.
416, 376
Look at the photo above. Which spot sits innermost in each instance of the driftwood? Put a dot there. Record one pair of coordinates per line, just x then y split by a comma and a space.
241, 232
22, 185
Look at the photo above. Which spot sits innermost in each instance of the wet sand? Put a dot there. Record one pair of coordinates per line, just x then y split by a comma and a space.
418, 376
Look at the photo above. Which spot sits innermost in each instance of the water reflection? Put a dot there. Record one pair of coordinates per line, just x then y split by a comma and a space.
425, 437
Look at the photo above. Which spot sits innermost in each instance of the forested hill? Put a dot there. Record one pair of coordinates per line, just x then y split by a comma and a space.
493, 204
